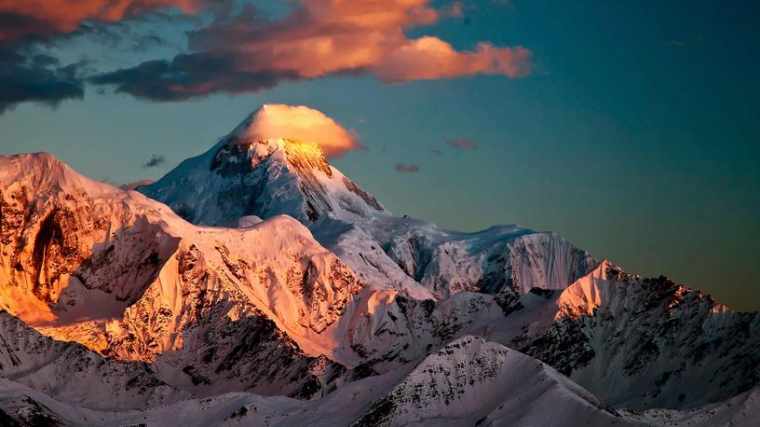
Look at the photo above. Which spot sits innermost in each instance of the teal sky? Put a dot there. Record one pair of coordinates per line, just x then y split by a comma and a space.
636, 136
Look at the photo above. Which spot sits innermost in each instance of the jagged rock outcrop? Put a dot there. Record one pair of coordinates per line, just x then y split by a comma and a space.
641, 343
72, 373
472, 381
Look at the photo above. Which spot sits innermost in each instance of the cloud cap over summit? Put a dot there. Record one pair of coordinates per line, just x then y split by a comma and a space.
300, 123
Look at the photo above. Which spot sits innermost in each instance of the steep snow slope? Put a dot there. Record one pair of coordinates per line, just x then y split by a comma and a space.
496, 260
73, 374
247, 174
642, 343
51, 220
741, 410
125, 276
22, 406
468, 381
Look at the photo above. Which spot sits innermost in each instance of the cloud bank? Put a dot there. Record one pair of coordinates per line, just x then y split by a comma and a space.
240, 50
302, 124
245, 52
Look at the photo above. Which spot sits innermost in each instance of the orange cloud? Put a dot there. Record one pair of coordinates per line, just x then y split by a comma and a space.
43, 17
432, 58
318, 38
302, 124
331, 36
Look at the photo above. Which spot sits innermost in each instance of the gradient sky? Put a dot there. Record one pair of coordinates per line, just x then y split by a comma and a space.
636, 135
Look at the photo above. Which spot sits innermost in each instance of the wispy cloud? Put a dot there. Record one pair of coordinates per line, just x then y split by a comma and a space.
407, 168
154, 161
462, 143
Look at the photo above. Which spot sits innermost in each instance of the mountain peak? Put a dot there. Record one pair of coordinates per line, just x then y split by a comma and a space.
239, 151
275, 162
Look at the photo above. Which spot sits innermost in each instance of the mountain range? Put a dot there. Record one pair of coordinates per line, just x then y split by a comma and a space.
255, 284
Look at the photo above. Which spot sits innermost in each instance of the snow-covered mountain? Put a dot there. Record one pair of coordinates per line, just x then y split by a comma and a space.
124, 276
247, 174
642, 343
270, 289
468, 382
250, 174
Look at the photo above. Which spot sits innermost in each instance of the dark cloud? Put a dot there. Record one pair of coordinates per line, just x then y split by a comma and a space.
187, 76
28, 25
15, 26
36, 78
137, 34
155, 161
463, 143
148, 41
406, 168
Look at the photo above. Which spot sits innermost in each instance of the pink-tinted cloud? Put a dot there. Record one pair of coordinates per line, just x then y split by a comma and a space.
318, 38
463, 143
45, 17
432, 58
303, 124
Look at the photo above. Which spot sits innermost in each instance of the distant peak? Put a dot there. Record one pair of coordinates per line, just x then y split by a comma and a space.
301, 124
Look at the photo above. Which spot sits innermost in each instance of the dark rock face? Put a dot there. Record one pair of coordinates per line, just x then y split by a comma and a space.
49, 245
227, 344
251, 354
370, 199
70, 372
565, 346
671, 346
47, 238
